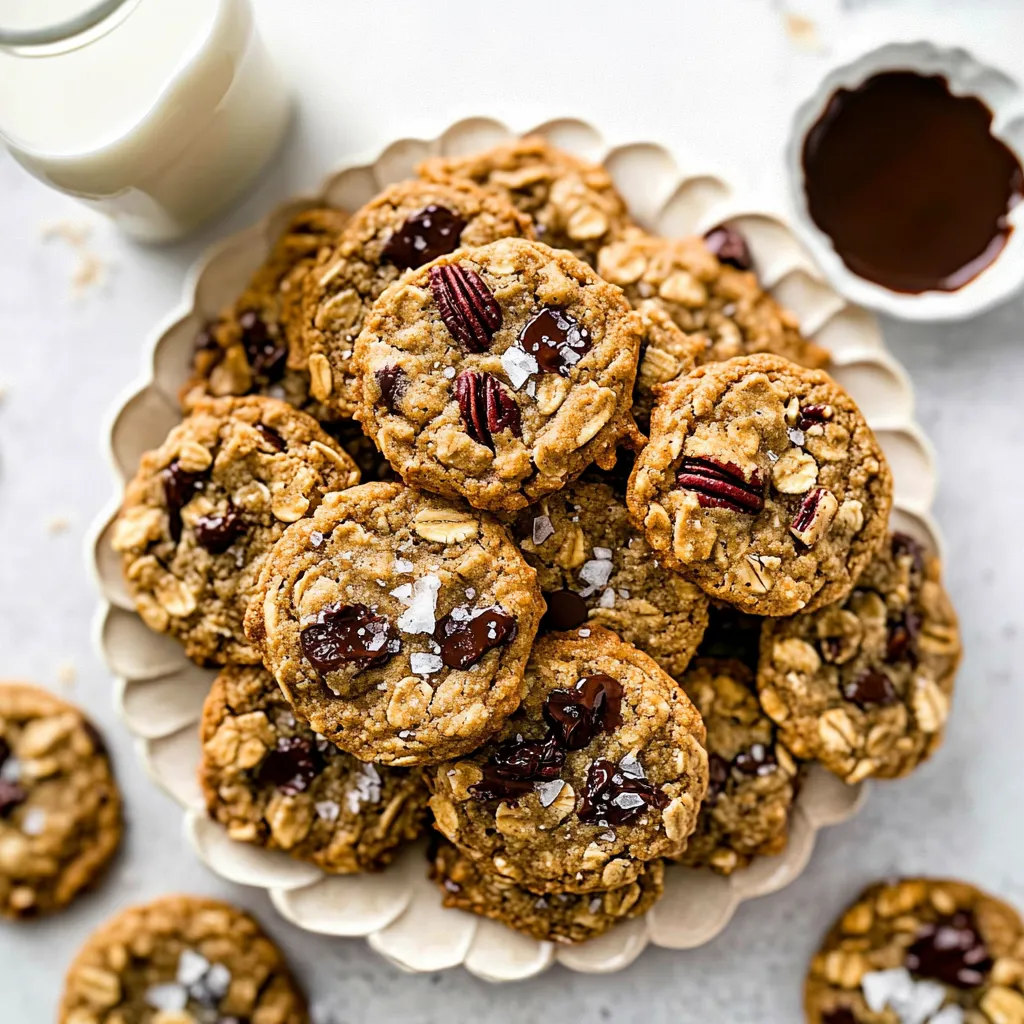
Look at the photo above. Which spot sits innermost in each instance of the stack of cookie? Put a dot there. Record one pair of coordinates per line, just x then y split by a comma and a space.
618, 570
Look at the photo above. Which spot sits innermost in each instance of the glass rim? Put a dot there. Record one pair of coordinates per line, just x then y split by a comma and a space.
62, 30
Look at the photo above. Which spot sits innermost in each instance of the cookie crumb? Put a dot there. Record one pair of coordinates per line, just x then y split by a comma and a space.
66, 673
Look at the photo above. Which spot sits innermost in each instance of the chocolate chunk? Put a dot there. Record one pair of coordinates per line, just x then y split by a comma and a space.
465, 637
266, 355
721, 485
204, 340
951, 951
718, 778
593, 705
467, 307
612, 798
758, 760
870, 688
486, 406
392, 381
180, 487
272, 437
514, 766
902, 641
292, 765
729, 246
348, 635
433, 232
904, 545
556, 340
566, 610
814, 414
218, 533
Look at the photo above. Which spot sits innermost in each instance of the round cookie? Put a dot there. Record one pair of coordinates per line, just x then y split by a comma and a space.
708, 297
753, 778
763, 484
561, 917
499, 374
600, 771
397, 624
406, 226
256, 345
270, 780
179, 960
207, 506
60, 808
920, 950
864, 686
573, 204
594, 565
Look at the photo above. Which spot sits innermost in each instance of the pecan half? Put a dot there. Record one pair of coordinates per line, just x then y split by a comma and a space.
814, 414
814, 516
486, 407
467, 307
721, 485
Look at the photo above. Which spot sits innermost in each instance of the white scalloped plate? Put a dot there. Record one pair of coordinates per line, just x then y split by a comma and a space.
161, 692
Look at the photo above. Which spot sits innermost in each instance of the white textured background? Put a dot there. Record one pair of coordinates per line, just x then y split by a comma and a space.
714, 77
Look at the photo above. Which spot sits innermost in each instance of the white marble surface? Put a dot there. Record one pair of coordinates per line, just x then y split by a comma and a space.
714, 76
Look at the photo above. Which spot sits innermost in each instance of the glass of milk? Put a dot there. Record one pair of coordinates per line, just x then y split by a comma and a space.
155, 112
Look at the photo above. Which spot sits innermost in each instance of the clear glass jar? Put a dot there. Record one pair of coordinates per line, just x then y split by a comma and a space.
155, 112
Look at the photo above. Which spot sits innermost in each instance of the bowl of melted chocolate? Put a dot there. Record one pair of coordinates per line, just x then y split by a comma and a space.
906, 175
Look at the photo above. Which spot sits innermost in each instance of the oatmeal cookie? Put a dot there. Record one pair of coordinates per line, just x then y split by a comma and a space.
594, 565
397, 624
763, 484
600, 771
753, 778
60, 808
573, 204
920, 951
207, 506
256, 345
705, 296
181, 960
270, 780
562, 917
499, 374
405, 227
864, 686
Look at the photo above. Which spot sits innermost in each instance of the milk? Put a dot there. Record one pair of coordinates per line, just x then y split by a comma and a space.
157, 116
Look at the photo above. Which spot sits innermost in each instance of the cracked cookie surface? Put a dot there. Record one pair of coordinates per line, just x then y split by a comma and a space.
271, 780
706, 298
499, 374
573, 204
594, 566
207, 506
406, 226
397, 623
753, 778
600, 771
556, 917
181, 960
920, 951
763, 484
865, 686
60, 808
256, 345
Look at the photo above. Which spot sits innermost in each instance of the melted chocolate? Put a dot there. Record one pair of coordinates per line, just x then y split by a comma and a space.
347, 635
556, 339
465, 637
951, 951
593, 705
909, 182
433, 232
292, 765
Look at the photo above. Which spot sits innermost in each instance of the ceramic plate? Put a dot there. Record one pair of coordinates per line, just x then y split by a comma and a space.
161, 692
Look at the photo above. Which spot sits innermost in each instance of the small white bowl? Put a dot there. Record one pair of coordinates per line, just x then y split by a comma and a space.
967, 75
